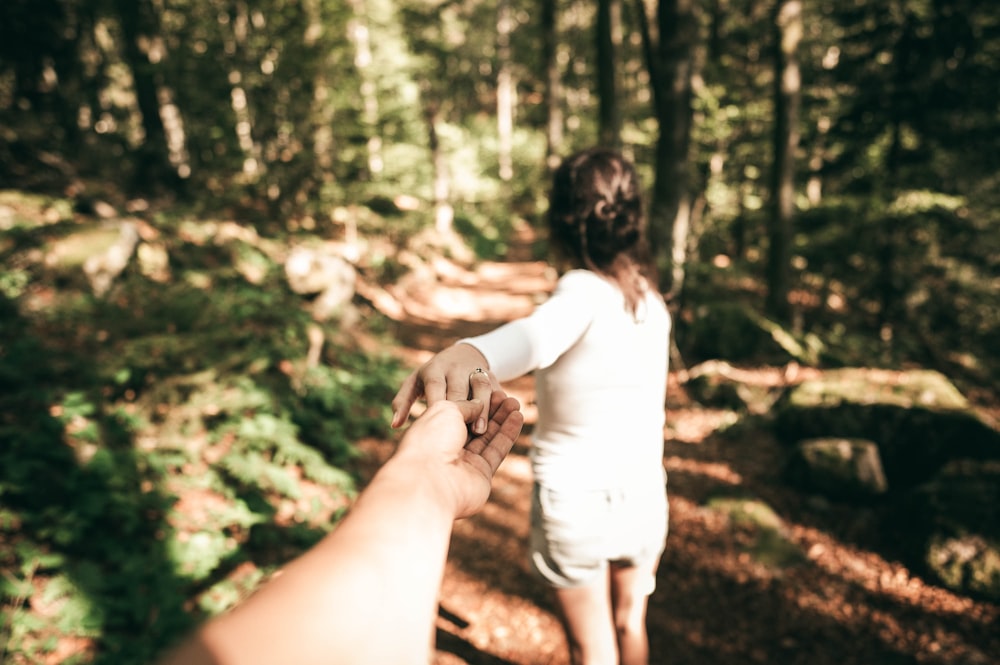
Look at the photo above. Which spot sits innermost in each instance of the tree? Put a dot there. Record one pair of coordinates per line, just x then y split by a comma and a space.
505, 92
787, 96
553, 84
138, 24
670, 60
608, 38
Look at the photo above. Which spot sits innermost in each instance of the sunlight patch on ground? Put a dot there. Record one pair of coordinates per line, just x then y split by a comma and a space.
888, 578
460, 303
717, 471
498, 625
695, 425
516, 468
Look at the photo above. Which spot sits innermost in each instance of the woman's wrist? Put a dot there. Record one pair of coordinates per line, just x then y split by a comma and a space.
472, 352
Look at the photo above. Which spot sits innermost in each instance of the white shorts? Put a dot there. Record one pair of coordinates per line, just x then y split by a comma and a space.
576, 535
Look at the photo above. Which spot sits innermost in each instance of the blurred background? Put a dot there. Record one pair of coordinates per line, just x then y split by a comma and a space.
228, 230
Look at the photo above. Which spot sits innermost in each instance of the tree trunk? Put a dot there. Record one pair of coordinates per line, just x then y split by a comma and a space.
609, 36
505, 92
137, 21
553, 85
787, 96
323, 111
890, 288
444, 213
670, 59
358, 32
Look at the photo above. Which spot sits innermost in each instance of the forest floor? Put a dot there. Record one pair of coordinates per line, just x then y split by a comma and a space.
825, 593
719, 598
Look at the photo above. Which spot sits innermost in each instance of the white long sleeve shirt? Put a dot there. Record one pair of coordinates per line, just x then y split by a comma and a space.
600, 379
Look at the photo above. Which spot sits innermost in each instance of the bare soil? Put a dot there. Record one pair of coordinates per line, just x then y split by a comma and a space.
838, 601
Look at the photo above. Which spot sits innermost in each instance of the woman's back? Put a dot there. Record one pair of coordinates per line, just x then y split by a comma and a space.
601, 403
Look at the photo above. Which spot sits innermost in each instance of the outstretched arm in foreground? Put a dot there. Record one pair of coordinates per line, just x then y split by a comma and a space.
367, 593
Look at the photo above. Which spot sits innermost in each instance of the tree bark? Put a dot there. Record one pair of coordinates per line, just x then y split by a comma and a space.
670, 59
608, 38
553, 85
505, 92
358, 32
444, 213
137, 21
787, 96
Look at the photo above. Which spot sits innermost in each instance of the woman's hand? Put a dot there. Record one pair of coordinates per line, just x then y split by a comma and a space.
457, 373
439, 447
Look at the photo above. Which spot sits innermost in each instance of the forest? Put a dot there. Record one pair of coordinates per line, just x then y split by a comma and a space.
229, 228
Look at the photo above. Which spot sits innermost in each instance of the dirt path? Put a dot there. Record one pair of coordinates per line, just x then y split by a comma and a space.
832, 600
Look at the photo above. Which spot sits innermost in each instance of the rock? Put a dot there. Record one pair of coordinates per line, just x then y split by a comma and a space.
950, 527
838, 468
716, 391
918, 418
102, 251
769, 543
154, 261
311, 271
327, 276
103, 269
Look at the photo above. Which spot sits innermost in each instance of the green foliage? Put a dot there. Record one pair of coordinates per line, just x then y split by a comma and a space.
150, 436
334, 406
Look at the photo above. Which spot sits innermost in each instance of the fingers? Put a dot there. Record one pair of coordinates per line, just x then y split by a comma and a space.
436, 390
455, 374
481, 388
470, 409
404, 399
502, 431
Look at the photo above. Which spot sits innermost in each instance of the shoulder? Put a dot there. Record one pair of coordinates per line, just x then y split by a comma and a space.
581, 280
574, 296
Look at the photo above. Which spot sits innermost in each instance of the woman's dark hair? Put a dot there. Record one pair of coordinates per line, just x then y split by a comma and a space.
596, 219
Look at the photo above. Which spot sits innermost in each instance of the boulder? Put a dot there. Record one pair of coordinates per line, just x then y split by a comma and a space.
101, 251
918, 418
331, 278
838, 468
949, 527
312, 271
769, 542
154, 261
103, 268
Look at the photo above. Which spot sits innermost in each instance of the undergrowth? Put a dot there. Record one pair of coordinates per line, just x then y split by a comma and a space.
164, 448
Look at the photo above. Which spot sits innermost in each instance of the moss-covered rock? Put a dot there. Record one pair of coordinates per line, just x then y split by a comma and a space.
838, 468
770, 543
918, 418
951, 527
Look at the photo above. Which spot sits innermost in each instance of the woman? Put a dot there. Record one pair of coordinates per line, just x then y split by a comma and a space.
598, 347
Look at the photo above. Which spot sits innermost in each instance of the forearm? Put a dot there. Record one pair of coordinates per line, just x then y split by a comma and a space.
507, 350
538, 340
366, 594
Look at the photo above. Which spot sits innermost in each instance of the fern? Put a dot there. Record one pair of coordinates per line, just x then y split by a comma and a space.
255, 470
